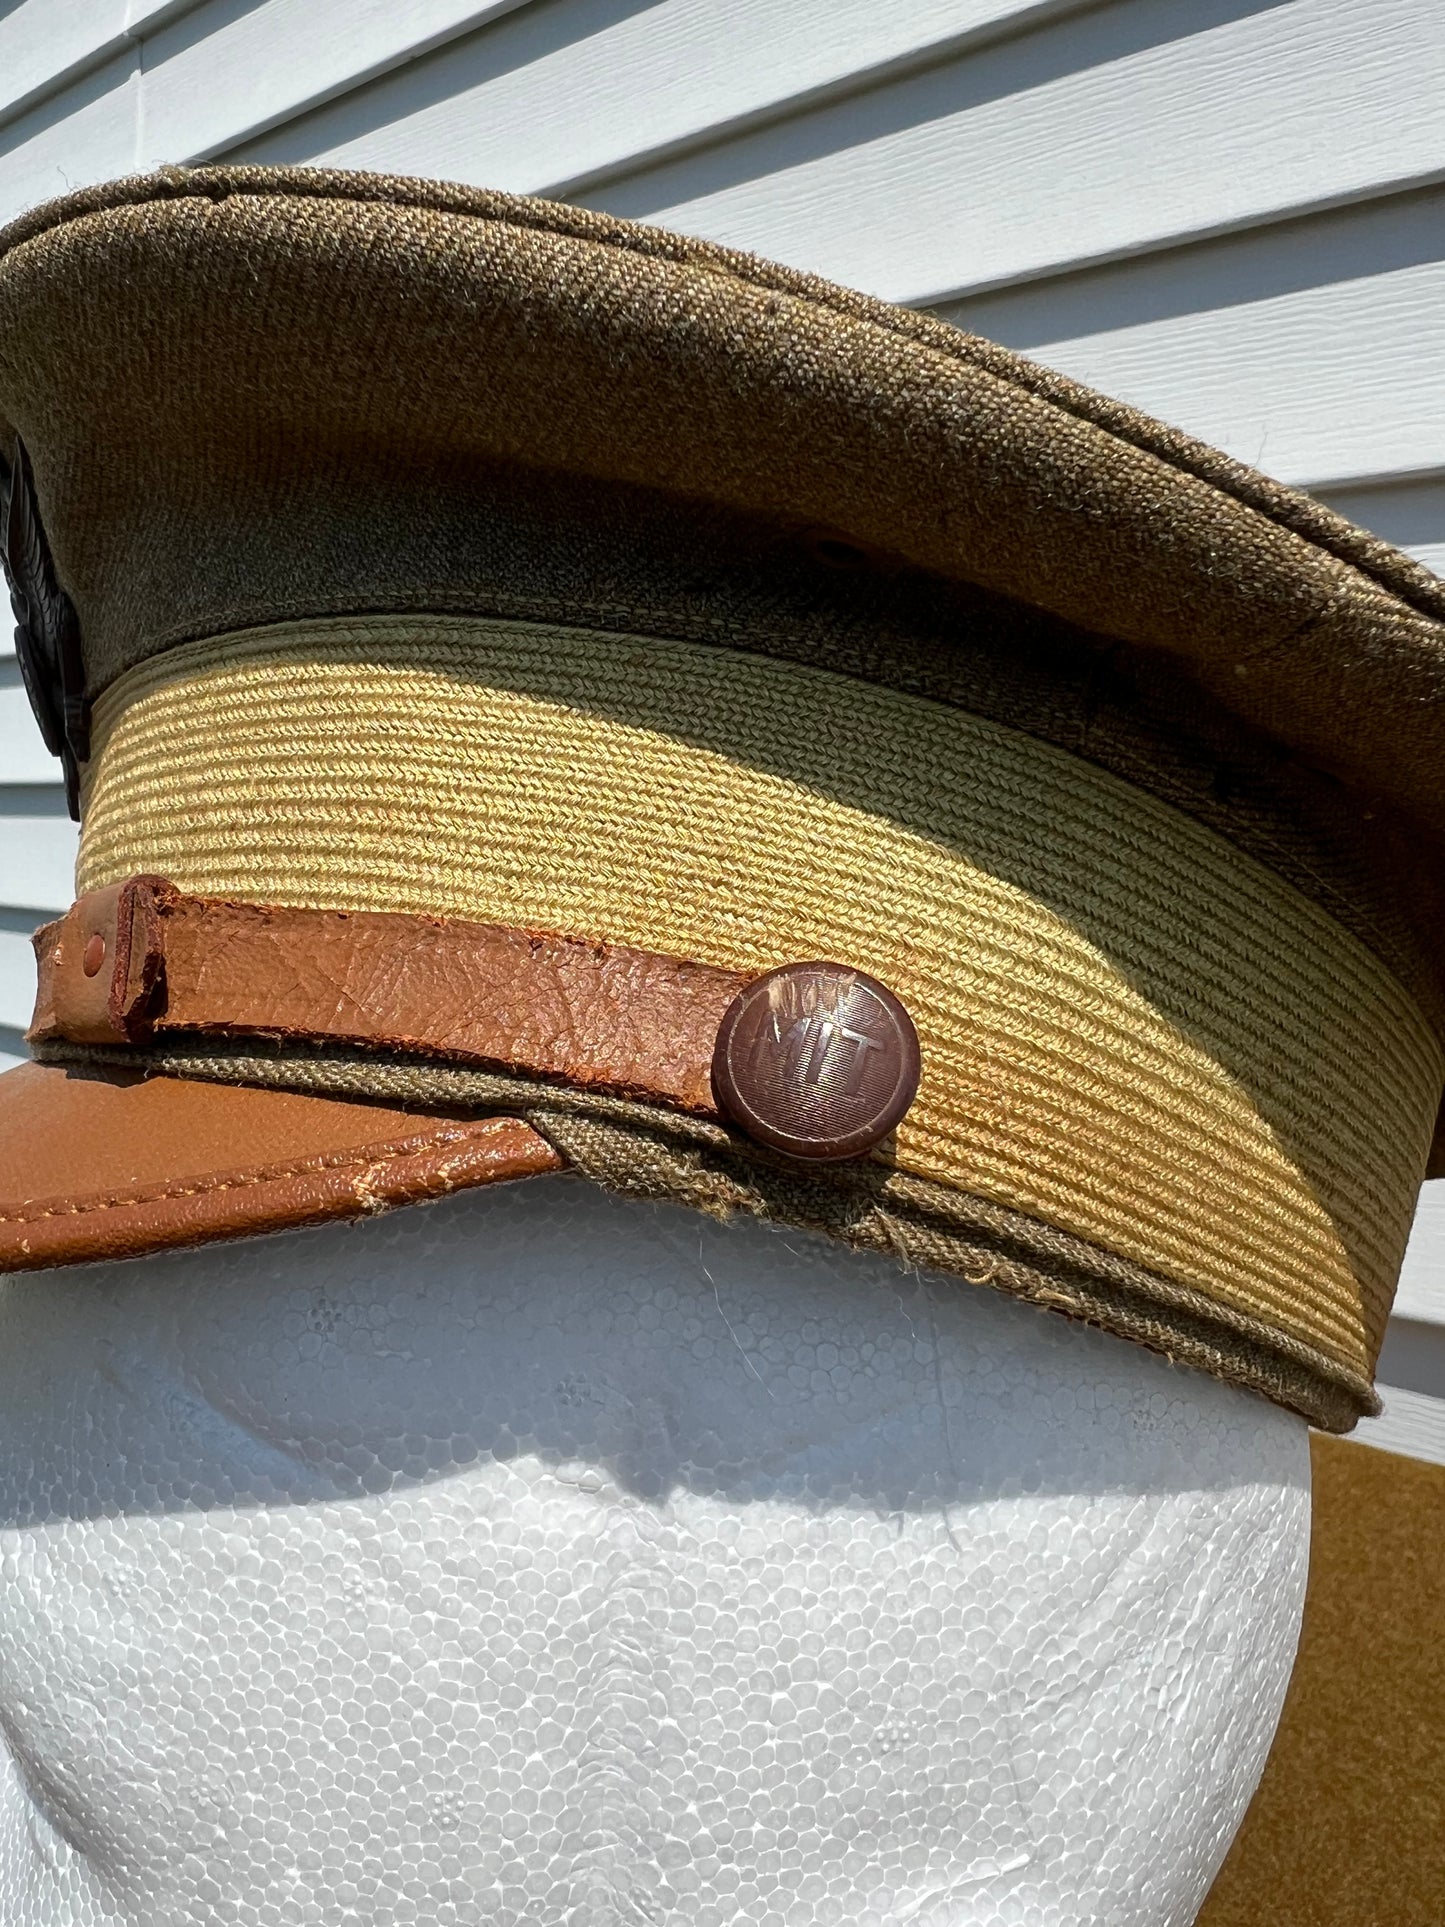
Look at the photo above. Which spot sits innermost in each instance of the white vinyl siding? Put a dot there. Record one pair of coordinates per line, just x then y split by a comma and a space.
1231, 212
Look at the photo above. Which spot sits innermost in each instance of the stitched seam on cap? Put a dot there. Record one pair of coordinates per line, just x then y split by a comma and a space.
1272, 645
392, 1151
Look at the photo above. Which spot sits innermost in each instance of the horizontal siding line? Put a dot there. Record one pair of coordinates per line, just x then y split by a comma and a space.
1412, 1358
857, 81
1412, 1423
37, 868
1288, 254
93, 128
171, 100
18, 105
30, 800
17, 980
1375, 481
1094, 139
17, 922
941, 299
132, 24
74, 139
1343, 302
139, 23
1405, 480
1421, 1295
1366, 195
17, 984
23, 755
495, 133
685, 39
145, 17
1327, 387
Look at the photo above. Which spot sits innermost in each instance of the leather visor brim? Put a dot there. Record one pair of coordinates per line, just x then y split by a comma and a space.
101, 1165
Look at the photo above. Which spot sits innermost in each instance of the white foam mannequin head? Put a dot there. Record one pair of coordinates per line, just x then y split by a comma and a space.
541, 1557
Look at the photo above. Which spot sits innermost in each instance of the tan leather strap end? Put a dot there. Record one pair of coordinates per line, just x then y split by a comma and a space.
102, 964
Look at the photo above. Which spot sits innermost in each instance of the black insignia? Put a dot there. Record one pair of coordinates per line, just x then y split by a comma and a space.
47, 633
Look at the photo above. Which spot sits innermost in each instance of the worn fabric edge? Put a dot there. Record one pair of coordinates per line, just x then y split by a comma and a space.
644, 1151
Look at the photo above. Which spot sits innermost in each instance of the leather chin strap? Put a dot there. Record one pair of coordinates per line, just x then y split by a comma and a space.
139, 964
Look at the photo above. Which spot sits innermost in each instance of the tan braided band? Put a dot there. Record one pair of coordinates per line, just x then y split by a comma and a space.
1132, 1032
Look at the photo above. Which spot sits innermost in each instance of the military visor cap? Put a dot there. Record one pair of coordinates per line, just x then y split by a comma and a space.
545, 693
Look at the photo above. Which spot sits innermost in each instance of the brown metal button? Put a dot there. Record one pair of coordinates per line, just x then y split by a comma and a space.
816, 1060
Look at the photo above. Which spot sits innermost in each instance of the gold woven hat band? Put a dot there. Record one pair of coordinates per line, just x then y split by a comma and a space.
1132, 1032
